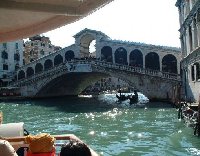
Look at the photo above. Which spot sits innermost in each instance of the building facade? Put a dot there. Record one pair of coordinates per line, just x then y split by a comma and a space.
189, 18
11, 59
37, 47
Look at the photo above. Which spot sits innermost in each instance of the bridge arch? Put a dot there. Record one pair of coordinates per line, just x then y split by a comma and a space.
48, 64
58, 60
21, 75
38, 68
155, 64
69, 55
136, 58
106, 54
121, 56
169, 64
85, 42
29, 72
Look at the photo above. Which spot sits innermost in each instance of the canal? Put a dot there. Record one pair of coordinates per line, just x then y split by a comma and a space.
110, 128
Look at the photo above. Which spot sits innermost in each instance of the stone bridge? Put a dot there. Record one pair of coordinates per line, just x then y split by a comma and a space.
154, 70
72, 77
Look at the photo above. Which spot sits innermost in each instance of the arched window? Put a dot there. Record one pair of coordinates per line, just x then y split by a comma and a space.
48, 64
152, 61
38, 68
58, 60
106, 54
121, 56
169, 64
21, 75
136, 58
69, 55
29, 71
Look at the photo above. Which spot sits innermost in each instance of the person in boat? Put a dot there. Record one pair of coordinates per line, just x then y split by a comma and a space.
136, 94
133, 98
77, 148
33, 146
6, 149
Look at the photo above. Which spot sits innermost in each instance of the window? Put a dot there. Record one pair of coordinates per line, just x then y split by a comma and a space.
16, 57
4, 55
5, 45
197, 71
31, 52
5, 67
16, 46
42, 52
192, 73
17, 66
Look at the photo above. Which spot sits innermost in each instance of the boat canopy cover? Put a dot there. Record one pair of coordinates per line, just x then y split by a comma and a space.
24, 18
12, 129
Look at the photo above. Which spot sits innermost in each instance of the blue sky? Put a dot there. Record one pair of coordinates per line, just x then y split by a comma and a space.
146, 21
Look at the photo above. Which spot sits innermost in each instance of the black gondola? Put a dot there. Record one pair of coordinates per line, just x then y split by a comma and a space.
122, 97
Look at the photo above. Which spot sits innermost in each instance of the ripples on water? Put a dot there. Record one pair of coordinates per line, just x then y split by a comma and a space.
109, 128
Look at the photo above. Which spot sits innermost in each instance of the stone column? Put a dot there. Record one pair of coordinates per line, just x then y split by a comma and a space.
143, 61
160, 60
194, 35
187, 41
128, 60
113, 55
198, 27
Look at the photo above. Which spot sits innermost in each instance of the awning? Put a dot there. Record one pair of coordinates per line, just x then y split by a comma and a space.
23, 18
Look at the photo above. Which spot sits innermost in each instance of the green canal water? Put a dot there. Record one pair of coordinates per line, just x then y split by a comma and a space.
109, 128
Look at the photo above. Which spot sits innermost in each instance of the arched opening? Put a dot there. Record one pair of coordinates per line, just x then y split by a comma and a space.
106, 54
29, 71
48, 64
58, 60
21, 75
69, 55
92, 49
169, 64
87, 46
121, 56
136, 58
152, 61
38, 68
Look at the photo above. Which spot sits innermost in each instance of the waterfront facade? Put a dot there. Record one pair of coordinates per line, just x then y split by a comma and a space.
189, 18
37, 47
11, 59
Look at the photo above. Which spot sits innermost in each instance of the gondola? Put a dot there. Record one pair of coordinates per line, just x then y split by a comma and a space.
122, 97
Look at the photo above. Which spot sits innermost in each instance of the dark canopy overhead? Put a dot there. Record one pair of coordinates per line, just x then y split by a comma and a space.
24, 18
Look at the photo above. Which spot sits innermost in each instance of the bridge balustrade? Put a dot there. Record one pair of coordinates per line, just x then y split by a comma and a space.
61, 67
